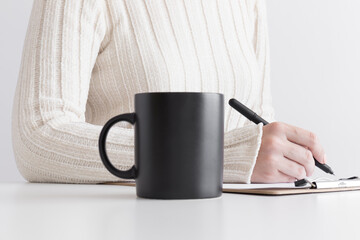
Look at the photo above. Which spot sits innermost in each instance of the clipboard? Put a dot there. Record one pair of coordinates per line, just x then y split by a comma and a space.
287, 191
303, 186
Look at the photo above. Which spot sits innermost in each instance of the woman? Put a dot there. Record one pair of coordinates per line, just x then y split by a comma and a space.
83, 61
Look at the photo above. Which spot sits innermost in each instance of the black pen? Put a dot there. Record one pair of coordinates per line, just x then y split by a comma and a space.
252, 116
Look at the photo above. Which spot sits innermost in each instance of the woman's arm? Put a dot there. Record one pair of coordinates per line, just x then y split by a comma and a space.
51, 140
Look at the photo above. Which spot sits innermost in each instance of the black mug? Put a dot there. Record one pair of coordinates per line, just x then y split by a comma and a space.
179, 145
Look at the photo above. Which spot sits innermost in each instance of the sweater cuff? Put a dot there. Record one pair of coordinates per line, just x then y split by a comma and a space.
241, 147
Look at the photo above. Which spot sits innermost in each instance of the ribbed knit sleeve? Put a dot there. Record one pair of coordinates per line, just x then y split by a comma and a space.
66, 46
242, 144
241, 147
51, 139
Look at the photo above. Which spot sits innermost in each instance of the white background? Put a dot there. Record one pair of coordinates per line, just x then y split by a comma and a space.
315, 63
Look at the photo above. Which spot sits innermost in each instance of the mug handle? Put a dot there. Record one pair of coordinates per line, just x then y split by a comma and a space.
132, 172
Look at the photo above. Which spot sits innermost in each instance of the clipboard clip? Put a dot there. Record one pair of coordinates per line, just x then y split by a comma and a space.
304, 181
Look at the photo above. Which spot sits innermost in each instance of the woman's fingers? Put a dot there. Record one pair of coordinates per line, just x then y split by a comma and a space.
275, 177
292, 168
300, 155
282, 177
306, 138
286, 153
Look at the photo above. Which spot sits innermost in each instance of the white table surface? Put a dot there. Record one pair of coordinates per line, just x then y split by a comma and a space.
69, 211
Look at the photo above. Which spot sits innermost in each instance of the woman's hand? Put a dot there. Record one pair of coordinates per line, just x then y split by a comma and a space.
286, 154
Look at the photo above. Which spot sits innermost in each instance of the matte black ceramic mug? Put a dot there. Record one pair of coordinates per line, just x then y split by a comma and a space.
179, 145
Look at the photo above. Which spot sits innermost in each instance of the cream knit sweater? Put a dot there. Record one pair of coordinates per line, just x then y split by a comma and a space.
83, 61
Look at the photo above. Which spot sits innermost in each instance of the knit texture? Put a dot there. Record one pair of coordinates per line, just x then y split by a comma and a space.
83, 61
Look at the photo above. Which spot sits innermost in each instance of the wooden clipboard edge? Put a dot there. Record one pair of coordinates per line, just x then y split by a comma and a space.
288, 191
